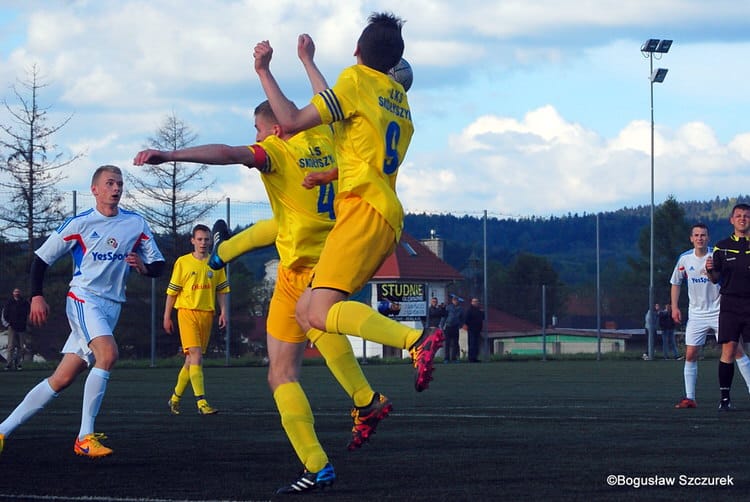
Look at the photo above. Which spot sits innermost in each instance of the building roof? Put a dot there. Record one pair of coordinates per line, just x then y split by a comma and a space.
499, 322
412, 260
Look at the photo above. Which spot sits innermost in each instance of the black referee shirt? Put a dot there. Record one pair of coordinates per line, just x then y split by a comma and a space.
732, 262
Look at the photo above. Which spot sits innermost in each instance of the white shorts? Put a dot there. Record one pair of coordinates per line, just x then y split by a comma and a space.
89, 317
697, 329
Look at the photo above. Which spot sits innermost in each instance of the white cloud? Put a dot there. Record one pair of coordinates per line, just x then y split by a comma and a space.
521, 107
547, 165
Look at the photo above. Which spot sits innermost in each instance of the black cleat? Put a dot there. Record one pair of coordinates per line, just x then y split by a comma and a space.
308, 481
220, 233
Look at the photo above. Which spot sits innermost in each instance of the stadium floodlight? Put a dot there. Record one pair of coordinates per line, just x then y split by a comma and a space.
663, 46
651, 44
658, 75
649, 47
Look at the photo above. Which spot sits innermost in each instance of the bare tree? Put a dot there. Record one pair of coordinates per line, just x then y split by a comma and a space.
173, 195
32, 164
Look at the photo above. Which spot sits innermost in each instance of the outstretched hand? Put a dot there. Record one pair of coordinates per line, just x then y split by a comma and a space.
150, 157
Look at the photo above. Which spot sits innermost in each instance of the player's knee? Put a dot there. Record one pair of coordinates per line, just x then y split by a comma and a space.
106, 359
279, 377
301, 315
317, 320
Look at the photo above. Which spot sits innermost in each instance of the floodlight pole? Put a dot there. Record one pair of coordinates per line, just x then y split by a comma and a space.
651, 313
649, 48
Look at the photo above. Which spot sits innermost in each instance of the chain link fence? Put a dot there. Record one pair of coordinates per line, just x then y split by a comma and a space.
140, 322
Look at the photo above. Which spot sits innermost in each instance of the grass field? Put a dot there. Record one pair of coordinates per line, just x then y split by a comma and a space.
533, 430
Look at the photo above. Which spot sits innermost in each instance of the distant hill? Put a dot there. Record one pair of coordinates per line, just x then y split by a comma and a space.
569, 242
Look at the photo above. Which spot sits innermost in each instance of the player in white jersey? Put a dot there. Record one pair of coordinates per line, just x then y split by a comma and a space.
106, 242
703, 310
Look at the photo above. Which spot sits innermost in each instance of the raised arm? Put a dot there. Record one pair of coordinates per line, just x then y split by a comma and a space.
291, 118
306, 54
215, 154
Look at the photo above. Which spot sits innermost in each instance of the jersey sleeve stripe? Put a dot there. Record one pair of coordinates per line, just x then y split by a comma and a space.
333, 104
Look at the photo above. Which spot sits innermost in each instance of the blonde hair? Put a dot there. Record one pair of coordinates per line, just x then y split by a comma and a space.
105, 168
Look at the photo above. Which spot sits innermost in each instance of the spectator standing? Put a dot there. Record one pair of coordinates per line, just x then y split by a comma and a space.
435, 314
667, 325
474, 320
454, 319
15, 315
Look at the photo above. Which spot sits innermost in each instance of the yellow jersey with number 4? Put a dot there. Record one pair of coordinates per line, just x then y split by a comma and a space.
376, 129
304, 216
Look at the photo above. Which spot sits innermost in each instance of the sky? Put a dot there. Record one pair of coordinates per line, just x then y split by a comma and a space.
521, 108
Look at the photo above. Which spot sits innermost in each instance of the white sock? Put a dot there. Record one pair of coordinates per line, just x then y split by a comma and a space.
93, 395
36, 399
691, 376
743, 364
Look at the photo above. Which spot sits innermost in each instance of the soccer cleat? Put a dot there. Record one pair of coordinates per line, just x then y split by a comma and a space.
174, 405
366, 419
423, 355
220, 233
686, 403
205, 409
725, 404
90, 446
310, 480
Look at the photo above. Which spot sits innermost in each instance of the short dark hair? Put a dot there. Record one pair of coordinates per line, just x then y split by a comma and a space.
200, 227
741, 205
699, 225
381, 44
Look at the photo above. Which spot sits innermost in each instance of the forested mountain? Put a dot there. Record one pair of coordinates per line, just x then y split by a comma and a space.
561, 253
569, 242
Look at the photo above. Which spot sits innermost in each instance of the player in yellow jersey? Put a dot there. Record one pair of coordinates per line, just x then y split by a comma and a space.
376, 125
303, 218
193, 290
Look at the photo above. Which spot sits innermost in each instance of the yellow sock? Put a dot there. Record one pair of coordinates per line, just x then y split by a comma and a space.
337, 351
183, 377
196, 379
261, 234
297, 420
355, 318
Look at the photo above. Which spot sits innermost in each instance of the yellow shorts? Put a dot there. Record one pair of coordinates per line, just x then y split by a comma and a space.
195, 328
358, 244
281, 323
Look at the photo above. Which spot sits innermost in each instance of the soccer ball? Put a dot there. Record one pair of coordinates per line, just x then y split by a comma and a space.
402, 73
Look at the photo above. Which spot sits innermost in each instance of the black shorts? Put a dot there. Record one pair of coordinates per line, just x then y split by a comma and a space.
734, 319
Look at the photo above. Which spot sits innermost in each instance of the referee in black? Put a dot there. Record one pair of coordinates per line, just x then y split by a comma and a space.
730, 266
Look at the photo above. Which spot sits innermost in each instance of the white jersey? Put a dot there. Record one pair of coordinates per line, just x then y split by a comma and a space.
99, 245
703, 295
